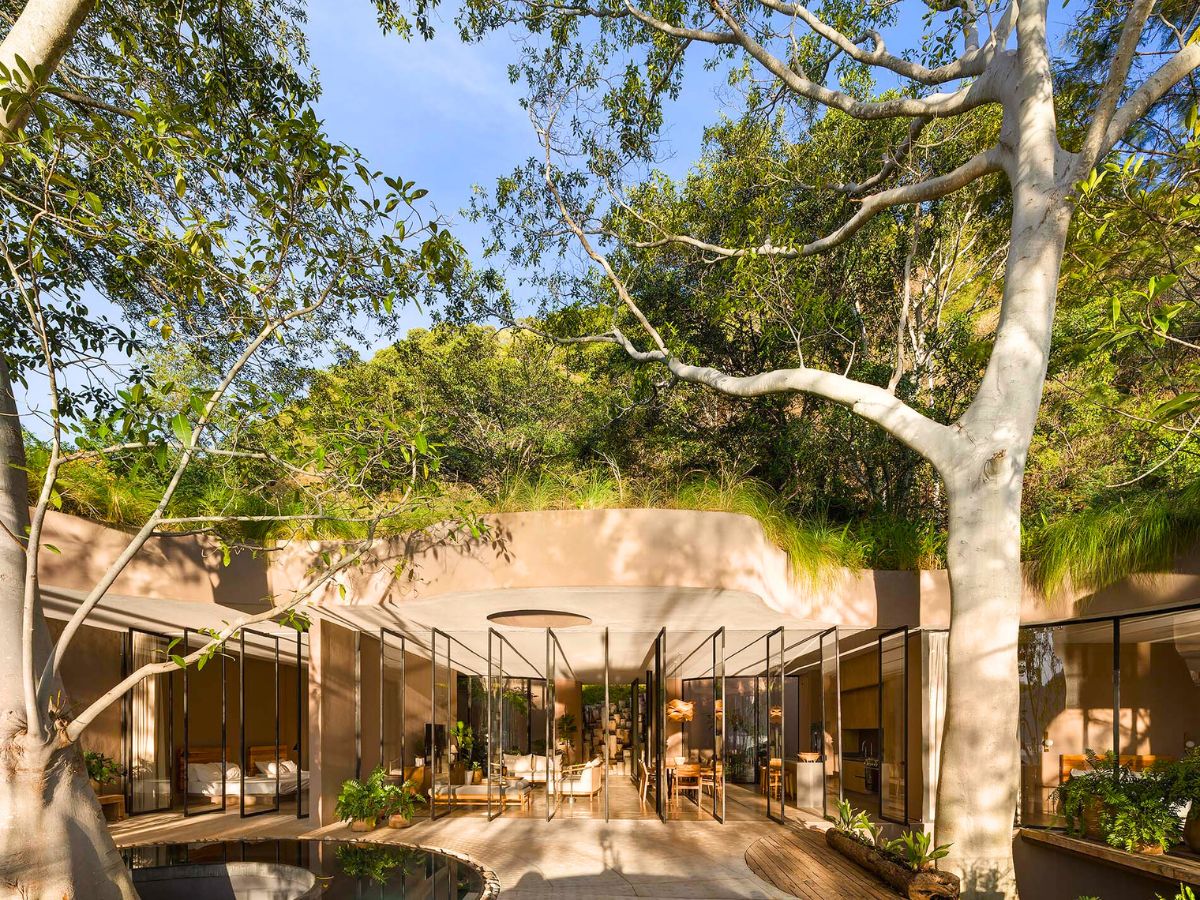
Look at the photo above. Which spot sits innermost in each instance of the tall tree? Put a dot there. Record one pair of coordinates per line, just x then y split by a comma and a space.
168, 159
599, 76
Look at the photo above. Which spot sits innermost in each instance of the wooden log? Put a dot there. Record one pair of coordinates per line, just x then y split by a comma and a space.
928, 885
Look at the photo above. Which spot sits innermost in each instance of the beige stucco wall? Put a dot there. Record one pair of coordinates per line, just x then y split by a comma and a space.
634, 548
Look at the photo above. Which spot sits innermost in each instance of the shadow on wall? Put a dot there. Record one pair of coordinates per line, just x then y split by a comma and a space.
187, 567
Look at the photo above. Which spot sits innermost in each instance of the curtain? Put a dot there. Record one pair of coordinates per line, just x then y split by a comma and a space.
150, 718
936, 649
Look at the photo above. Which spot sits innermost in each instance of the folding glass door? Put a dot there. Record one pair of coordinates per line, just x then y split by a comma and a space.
300, 747
392, 755
261, 777
774, 774
149, 731
203, 777
437, 731
831, 726
495, 724
893, 707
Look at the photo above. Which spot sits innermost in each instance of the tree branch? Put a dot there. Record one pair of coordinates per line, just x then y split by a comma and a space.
1151, 91
975, 94
970, 64
1114, 84
982, 164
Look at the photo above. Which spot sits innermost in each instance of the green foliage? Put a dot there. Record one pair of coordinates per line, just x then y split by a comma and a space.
366, 799
1096, 547
402, 799
913, 847
1184, 893
1136, 810
376, 862
102, 769
464, 738
566, 727
848, 820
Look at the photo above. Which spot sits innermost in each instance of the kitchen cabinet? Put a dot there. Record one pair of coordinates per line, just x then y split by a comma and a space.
860, 708
855, 774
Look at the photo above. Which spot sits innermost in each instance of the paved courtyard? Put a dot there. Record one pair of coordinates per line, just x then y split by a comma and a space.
580, 858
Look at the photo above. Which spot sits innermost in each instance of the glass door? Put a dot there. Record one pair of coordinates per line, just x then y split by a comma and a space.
551, 721
773, 773
893, 722
149, 726
718, 762
495, 724
203, 778
260, 757
437, 730
831, 719
300, 748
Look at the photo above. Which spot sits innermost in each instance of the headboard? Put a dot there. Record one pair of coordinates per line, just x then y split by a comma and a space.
198, 755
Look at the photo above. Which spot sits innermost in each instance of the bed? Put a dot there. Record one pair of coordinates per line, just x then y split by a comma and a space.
203, 774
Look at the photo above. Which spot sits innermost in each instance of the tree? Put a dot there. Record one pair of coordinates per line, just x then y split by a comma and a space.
231, 229
599, 76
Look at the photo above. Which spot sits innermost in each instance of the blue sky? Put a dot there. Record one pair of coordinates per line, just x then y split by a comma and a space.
443, 113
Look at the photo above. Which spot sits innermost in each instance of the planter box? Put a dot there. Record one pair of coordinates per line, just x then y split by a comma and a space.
929, 885
361, 825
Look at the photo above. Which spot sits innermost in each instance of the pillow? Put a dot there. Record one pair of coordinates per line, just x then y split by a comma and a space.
204, 771
286, 767
233, 773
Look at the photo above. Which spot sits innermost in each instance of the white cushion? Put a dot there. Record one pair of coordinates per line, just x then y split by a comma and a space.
204, 771
286, 767
233, 773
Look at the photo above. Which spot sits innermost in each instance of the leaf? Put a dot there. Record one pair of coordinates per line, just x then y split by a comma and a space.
1177, 406
182, 429
52, 548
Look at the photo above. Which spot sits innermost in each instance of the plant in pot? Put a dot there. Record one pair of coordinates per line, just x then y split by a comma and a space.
101, 769
476, 773
1083, 798
1182, 779
1138, 815
464, 739
361, 803
400, 803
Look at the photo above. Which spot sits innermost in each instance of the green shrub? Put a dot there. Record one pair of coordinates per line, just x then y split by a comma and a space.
102, 769
401, 799
367, 799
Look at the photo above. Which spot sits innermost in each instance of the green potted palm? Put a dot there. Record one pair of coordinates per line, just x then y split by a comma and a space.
361, 803
400, 803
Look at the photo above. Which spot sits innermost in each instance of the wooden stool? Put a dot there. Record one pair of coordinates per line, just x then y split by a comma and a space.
113, 806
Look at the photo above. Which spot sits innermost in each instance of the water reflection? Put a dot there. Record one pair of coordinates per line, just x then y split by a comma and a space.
344, 869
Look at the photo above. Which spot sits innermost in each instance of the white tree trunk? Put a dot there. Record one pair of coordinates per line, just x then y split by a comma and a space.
54, 842
980, 765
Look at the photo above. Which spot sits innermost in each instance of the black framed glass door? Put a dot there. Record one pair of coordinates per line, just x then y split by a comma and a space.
893, 722
203, 777
261, 775
149, 724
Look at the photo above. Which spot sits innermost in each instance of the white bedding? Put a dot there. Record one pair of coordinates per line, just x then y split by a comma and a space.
255, 785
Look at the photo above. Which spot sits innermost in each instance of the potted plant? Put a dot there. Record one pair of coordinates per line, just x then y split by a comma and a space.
400, 803
101, 769
908, 864
1183, 785
464, 739
476, 773
1138, 814
361, 803
1084, 799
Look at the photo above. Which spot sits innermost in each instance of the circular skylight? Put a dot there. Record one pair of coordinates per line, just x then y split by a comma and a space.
538, 618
